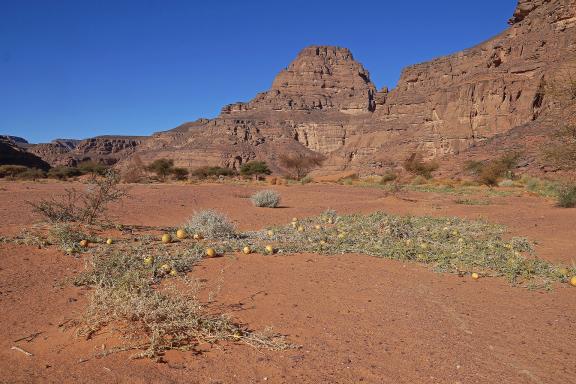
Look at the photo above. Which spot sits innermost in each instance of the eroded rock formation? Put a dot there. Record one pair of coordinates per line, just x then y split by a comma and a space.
325, 102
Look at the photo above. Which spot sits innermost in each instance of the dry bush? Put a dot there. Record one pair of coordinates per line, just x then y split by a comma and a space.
84, 207
267, 198
490, 172
211, 224
561, 150
566, 196
127, 299
388, 177
300, 164
417, 166
134, 171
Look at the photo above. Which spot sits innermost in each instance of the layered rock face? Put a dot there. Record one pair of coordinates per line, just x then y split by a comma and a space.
324, 102
321, 78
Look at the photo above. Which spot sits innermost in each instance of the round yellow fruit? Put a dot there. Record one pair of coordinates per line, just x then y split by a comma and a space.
198, 236
181, 234
318, 227
69, 251
573, 281
166, 238
109, 241
149, 260
246, 250
294, 219
210, 252
475, 276
166, 268
84, 243
270, 233
300, 229
269, 249
173, 273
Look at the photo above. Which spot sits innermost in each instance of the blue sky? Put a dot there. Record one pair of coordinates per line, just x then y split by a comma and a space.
76, 69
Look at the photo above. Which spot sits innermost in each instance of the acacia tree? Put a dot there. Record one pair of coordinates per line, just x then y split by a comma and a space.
300, 164
161, 167
255, 169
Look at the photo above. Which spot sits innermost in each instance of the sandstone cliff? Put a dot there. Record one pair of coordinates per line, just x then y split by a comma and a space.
325, 102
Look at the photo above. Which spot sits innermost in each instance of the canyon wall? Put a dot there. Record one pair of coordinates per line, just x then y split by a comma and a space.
325, 102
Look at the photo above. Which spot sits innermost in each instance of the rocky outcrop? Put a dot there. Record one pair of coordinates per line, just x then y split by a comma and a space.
320, 78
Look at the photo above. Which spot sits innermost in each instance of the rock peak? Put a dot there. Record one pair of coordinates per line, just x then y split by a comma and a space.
319, 78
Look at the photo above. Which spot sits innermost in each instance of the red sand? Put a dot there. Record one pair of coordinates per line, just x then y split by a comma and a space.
358, 319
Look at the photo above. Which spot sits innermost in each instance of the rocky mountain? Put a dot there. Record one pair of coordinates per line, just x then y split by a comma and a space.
325, 102
103, 149
12, 153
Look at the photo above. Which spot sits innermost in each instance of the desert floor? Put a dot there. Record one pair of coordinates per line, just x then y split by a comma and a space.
358, 319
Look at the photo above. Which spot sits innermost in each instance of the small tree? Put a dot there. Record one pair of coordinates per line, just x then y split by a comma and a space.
300, 164
161, 167
255, 169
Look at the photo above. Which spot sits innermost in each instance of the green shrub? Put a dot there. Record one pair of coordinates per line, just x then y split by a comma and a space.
63, 172
566, 197
180, 173
92, 167
32, 174
206, 172
388, 177
415, 165
267, 198
255, 168
12, 170
211, 224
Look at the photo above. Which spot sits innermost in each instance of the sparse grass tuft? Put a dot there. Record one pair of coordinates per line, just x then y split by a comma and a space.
266, 198
472, 202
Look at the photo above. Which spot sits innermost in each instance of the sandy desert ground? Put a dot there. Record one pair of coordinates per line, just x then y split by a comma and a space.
357, 319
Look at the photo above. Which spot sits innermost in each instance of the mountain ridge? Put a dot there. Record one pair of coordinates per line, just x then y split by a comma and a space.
325, 102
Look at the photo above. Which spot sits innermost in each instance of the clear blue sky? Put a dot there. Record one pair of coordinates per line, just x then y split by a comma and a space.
80, 68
